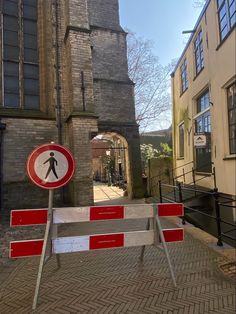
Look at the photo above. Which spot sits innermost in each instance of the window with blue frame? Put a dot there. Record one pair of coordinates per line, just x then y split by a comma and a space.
198, 50
226, 16
231, 97
203, 126
184, 76
20, 54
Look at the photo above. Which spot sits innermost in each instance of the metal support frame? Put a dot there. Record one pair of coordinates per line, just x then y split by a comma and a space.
49, 234
158, 233
218, 218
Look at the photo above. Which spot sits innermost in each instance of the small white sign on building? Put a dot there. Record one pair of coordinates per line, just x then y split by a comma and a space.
200, 140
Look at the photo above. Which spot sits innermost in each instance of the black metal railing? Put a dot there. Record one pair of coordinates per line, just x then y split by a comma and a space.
177, 193
173, 180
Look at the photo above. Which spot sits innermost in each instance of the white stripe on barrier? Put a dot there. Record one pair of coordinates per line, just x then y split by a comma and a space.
70, 244
139, 238
71, 214
138, 211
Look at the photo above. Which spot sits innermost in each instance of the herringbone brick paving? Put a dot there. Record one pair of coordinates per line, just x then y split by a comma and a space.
113, 281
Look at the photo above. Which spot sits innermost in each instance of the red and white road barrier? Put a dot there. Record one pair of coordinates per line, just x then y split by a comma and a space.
92, 242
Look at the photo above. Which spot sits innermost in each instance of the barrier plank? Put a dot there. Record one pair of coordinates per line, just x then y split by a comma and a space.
174, 235
26, 248
106, 241
167, 210
28, 217
102, 241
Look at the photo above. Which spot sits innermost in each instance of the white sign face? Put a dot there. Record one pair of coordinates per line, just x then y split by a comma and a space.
51, 166
200, 140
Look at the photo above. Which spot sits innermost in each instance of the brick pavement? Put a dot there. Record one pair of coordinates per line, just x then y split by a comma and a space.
113, 281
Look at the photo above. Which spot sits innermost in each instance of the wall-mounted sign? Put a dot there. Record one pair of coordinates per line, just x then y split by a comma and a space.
200, 140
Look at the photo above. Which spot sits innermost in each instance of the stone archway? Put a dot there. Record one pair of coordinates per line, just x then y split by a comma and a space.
110, 160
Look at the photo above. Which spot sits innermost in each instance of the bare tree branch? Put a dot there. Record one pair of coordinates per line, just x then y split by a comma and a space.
152, 81
199, 3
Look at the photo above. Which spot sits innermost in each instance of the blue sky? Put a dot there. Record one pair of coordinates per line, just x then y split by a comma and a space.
161, 21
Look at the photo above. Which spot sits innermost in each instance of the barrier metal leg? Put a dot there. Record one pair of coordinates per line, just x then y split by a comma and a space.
143, 247
166, 250
54, 236
45, 241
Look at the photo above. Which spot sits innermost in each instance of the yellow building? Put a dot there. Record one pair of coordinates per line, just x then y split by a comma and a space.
204, 101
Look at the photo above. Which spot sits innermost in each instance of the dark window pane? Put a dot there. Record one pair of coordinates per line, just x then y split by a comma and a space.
11, 52
231, 91
31, 102
10, 23
11, 68
232, 146
31, 86
30, 27
11, 84
30, 41
232, 116
30, 2
31, 71
10, 7
11, 100
181, 140
30, 55
10, 38
30, 12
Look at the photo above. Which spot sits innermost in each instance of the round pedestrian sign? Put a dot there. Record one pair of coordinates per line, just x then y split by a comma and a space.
50, 166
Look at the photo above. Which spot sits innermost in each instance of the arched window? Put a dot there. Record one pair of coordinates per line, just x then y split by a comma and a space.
20, 54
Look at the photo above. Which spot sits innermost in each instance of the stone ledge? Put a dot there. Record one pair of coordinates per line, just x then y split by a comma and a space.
25, 114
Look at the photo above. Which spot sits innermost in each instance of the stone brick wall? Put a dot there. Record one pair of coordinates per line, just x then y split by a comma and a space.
20, 138
104, 13
112, 101
109, 55
81, 187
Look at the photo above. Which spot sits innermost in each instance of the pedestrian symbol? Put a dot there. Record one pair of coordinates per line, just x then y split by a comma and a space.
52, 161
50, 166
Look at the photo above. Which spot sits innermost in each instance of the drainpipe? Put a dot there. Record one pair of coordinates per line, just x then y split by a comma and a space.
173, 119
57, 67
2, 129
58, 86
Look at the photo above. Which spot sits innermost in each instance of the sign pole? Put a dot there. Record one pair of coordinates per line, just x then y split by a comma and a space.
45, 241
165, 249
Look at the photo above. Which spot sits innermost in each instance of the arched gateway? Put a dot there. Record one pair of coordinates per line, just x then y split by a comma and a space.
72, 84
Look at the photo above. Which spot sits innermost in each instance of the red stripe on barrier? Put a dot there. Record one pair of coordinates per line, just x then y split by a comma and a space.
26, 248
173, 235
165, 210
106, 241
106, 212
28, 217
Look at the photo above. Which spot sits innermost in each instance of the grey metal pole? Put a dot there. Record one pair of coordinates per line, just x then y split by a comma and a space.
45, 241
166, 250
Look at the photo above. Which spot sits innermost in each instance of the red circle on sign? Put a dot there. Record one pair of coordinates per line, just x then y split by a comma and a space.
40, 182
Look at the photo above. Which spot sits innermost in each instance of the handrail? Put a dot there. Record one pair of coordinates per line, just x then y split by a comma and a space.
172, 170
217, 217
231, 206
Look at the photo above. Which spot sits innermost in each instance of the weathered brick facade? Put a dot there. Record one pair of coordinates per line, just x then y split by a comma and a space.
85, 88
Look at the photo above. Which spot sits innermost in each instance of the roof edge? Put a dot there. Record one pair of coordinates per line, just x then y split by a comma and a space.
191, 36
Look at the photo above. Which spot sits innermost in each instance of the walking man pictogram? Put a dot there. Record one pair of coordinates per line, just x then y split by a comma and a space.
52, 161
